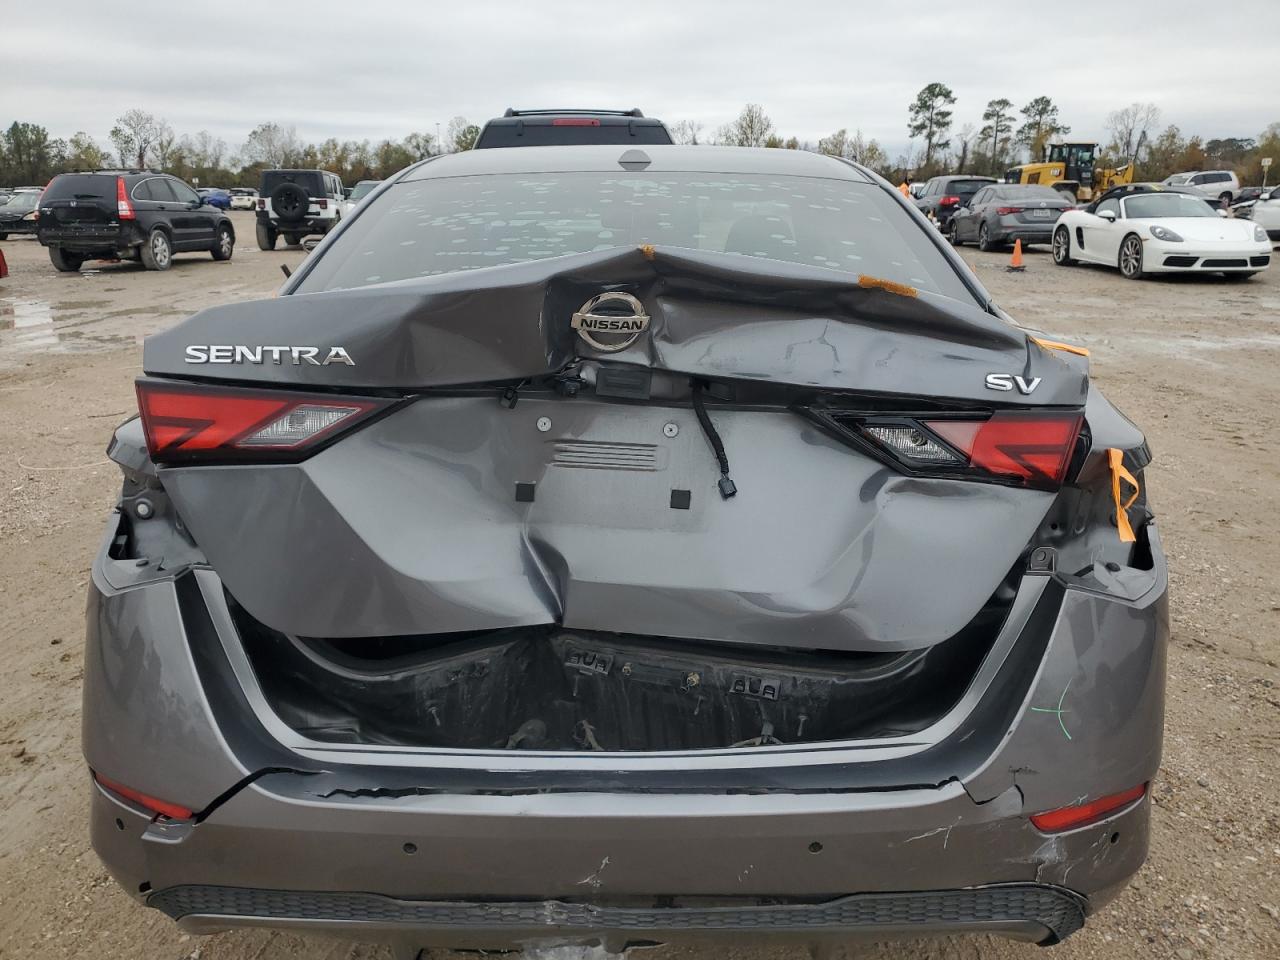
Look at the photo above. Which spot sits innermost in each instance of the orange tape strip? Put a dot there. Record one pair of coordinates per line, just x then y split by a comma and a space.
877, 283
1058, 345
1118, 472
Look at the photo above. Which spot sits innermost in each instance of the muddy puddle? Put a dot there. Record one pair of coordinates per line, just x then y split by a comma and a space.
30, 326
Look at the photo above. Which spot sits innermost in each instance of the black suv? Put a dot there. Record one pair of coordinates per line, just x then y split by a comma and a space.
943, 196
128, 215
554, 128
297, 203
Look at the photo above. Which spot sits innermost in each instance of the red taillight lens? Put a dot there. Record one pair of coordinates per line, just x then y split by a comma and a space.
322, 203
185, 423
1005, 211
948, 201
575, 122
124, 209
262, 203
159, 807
1068, 818
1028, 448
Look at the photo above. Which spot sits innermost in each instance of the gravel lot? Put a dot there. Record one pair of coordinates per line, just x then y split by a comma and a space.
1192, 360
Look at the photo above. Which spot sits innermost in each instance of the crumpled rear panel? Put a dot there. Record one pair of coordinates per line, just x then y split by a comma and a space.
411, 525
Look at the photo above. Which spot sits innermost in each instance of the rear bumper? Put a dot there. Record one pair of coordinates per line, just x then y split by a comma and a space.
925, 834
17, 227
92, 238
1027, 233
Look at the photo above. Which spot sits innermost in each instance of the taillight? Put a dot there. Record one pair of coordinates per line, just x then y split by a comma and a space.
948, 201
1029, 449
1005, 211
187, 423
1068, 818
151, 804
322, 203
262, 203
575, 122
124, 209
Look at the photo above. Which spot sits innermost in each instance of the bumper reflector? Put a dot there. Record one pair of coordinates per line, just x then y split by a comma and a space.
1068, 818
159, 807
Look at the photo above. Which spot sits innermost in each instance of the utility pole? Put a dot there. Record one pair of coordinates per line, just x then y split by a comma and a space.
439, 144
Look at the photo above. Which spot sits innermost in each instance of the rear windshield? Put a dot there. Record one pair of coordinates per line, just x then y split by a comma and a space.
1034, 193
81, 186
307, 179
544, 133
1147, 205
21, 201
426, 227
363, 188
964, 188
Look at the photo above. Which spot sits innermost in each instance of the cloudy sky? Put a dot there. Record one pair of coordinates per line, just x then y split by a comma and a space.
382, 69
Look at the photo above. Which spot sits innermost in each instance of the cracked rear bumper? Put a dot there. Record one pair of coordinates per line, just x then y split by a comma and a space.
488, 850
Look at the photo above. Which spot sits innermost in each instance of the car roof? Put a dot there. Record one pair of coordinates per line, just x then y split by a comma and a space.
605, 158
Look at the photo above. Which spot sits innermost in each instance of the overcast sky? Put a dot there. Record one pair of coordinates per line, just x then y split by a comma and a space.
377, 70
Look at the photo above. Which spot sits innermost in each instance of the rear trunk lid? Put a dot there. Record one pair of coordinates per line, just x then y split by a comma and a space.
596, 507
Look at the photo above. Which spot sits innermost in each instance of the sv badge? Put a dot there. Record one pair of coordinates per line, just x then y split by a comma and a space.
1007, 381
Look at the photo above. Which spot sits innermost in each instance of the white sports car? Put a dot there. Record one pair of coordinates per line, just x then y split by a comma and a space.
1160, 232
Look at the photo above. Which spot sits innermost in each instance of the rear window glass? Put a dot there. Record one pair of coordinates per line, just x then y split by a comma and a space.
363, 189
81, 186
1034, 193
544, 134
21, 201
433, 226
965, 188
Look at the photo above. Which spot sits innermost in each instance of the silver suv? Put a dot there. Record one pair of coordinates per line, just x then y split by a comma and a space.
1214, 184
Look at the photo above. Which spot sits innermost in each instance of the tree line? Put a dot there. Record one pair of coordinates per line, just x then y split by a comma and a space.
1007, 135
30, 156
1003, 140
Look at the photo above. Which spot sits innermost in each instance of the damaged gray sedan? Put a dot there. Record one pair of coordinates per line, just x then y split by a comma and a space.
625, 546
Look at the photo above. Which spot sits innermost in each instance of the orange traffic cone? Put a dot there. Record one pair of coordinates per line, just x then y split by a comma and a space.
1015, 262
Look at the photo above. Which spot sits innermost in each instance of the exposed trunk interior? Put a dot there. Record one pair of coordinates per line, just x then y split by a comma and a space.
546, 688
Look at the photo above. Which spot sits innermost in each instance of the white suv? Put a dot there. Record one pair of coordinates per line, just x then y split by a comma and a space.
297, 203
1214, 184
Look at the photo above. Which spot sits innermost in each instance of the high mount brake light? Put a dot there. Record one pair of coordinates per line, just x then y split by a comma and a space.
195, 423
1030, 449
1068, 818
575, 122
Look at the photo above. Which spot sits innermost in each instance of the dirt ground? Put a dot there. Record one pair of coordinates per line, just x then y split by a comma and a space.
1192, 360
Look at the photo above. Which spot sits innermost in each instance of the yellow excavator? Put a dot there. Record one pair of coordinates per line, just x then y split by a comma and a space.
1071, 168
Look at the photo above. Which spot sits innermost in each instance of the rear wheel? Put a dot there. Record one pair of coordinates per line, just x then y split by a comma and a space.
1062, 247
63, 261
157, 252
953, 233
266, 237
1131, 257
4, 236
293, 239
225, 244
984, 239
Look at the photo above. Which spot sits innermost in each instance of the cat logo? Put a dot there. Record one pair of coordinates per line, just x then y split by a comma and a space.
610, 321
